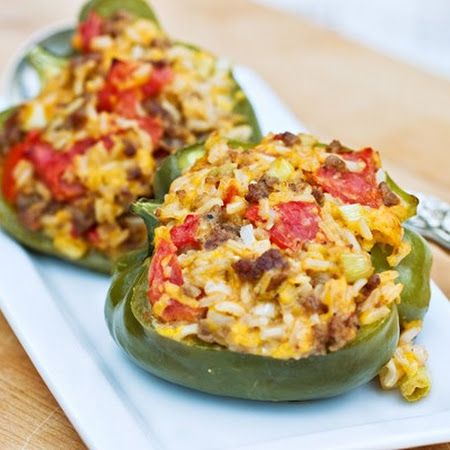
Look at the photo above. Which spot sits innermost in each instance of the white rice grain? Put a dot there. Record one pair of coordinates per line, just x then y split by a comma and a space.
365, 230
351, 239
209, 205
265, 310
317, 264
231, 308
256, 322
272, 333
188, 330
219, 319
220, 287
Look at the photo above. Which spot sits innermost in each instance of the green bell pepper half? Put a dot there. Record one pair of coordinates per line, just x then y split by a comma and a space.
414, 274
48, 65
216, 370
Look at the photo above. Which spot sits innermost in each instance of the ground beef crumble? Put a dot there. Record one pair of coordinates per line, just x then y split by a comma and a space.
30, 209
219, 235
261, 189
334, 162
288, 138
313, 304
253, 269
317, 193
389, 198
336, 333
276, 281
335, 147
11, 133
372, 283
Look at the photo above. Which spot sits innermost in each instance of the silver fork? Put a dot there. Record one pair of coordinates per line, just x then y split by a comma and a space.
433, 215
432, 220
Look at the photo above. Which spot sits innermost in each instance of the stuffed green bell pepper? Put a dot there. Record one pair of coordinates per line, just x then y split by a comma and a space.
74, 158
261, 281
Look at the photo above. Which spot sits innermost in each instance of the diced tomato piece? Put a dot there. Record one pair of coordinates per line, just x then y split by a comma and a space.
352, 187
175, 311
165, 255
118, 73
252, 214
12, 158
89, 29
50, 165
124, 101
153, 127
159, 78
297, 222
80, 147
231, 191
106, 97
184, 235
107, 142
165, 267
127, 103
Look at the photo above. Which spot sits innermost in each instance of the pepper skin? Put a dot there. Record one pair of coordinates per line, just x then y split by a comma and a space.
106, 8
172, 166
213, 369
414, 274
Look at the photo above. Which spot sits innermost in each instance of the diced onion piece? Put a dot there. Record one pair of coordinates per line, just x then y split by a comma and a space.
247, 235
356, 266
281, 168
416, 387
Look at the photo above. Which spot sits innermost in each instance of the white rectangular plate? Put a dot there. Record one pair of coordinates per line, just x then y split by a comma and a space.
56, 310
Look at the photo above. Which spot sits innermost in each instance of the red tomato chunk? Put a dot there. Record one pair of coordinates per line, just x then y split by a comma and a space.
352, 187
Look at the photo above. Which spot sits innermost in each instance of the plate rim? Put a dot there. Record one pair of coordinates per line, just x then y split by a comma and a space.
16, 317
